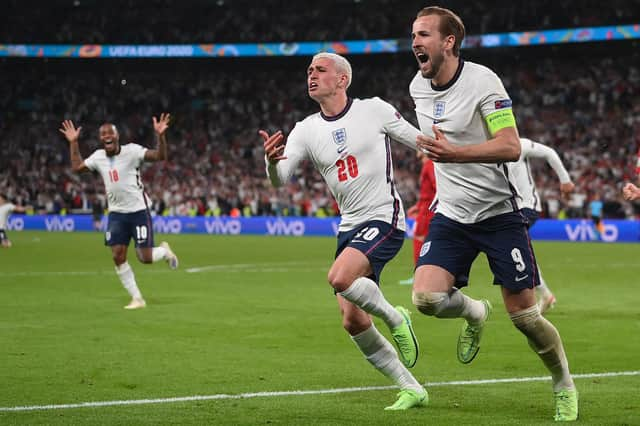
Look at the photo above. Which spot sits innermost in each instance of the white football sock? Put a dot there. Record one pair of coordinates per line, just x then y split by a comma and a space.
158, 253
379, 352
125, 273
542, 288
365, 294
454, 304
545, 340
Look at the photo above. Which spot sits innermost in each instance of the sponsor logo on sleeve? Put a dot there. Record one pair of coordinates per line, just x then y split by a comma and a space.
503, 103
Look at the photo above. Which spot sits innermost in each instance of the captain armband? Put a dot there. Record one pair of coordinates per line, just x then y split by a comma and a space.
499, 120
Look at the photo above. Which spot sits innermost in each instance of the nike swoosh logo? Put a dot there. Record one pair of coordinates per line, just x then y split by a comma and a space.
521, 278
358, 241
342, 148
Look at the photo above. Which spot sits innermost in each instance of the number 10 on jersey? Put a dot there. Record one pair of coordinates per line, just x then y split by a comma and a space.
348, 165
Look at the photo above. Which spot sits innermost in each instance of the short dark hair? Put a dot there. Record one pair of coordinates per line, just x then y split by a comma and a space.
450, 24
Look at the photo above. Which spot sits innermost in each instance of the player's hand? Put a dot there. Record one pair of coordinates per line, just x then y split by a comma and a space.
160, 126
439, 148
412, 211
630, 192
566, 189
69, 131
273, 146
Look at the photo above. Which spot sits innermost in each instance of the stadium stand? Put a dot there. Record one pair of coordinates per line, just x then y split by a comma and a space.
582, 99
222, 21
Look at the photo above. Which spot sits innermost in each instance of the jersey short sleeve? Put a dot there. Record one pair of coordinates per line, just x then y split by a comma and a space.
90, 162
138, 151
495, 104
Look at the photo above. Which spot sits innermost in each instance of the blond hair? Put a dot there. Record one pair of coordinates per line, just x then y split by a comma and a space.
342, 65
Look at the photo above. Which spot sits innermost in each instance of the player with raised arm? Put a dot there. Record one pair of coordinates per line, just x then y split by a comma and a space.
6, 208
348, 141
531, 204
128, 205
470, 133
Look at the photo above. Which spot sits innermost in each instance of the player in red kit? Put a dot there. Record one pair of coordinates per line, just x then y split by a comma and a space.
421, 210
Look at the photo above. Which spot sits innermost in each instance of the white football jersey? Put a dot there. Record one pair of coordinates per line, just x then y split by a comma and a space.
5, 210
467, 192
121, 176
521, 171
352, 152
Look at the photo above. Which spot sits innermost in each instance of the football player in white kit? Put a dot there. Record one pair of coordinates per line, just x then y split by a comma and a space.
119, 167
470, 133
348, 141
6, 208
531, 204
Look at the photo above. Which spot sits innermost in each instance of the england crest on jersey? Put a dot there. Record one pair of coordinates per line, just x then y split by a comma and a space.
438, 109
339, 136
425, 248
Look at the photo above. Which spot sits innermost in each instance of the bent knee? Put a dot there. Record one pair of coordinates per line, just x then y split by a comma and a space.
144, 255
430, 303
527, 320
339, 281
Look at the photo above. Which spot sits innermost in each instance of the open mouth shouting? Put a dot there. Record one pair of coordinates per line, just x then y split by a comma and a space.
422, 57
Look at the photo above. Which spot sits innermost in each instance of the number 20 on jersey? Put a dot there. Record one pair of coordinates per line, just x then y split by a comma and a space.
347, 168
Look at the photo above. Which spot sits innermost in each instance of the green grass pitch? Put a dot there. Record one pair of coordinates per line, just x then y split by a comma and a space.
247, 315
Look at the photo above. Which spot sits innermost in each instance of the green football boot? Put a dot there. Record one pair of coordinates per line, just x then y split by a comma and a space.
408, 399
405, 339
566, 405
470, 335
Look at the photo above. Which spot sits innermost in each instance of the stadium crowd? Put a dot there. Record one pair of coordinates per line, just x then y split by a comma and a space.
590, 114
237, 21
584, 102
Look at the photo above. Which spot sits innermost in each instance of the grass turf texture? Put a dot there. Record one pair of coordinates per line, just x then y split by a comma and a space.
260, 317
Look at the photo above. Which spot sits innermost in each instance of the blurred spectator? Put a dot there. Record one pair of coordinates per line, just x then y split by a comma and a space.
584, 101
235, 21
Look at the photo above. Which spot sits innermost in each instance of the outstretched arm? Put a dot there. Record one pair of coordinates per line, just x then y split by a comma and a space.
160, 127
71, 133
537, 150
553, 159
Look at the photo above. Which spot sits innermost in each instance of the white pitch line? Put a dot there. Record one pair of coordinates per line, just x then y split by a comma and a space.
245, 266
298, 392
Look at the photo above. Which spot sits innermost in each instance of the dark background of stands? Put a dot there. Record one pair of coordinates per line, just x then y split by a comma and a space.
582, 99
235, 21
